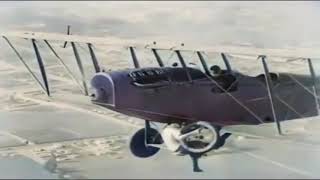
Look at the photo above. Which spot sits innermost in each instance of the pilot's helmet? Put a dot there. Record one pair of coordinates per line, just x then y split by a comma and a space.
175, 64
216, 70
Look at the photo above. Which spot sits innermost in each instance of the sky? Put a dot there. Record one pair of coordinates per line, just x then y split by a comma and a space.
261, 24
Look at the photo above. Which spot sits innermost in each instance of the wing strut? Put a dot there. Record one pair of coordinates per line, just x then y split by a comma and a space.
146, 122
94, 58
158, 58
79, 63
41, 66
64, 65
134, 57
183, 64
314, 79
270, 91
226, 62
203, 62
68, 33
26, 65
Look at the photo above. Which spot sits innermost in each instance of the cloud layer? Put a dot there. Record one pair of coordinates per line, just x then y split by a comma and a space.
262, 24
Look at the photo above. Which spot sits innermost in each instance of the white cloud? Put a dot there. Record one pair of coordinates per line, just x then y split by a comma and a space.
259, 23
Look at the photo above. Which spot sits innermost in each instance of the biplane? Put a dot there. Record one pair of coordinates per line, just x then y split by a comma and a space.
192, 104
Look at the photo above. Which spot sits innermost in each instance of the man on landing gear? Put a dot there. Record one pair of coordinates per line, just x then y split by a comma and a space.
194, 139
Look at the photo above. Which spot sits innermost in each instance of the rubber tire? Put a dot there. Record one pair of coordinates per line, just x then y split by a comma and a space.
138, 146
218, 143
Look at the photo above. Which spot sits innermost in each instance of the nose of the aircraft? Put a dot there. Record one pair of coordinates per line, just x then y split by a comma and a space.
103, 89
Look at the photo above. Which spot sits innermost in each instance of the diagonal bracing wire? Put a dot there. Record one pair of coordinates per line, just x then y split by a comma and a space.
235, 99
64, 65
25, 64
277, 97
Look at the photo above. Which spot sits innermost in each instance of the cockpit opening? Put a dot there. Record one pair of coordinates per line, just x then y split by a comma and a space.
154, 77
149, 76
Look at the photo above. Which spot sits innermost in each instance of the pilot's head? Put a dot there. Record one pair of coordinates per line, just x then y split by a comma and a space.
216, 70
175, 64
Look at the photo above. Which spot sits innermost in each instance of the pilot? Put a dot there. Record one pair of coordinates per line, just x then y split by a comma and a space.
216, 70
224, 79
175, 64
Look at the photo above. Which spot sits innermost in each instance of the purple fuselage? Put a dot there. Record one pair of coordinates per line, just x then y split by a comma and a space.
166, 95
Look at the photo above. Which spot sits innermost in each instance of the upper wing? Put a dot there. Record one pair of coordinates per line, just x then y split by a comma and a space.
113, 41
284, 52
68, 38
79, 39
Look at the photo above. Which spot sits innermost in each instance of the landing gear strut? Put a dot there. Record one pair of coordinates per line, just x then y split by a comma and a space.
196, 156
139, 144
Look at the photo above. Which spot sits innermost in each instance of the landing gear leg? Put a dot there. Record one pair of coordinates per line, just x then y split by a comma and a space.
222, 139
196, 156
141, 140
195, 159
146, 130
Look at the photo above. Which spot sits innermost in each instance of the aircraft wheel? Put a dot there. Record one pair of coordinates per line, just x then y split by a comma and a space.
200, 137
138, 146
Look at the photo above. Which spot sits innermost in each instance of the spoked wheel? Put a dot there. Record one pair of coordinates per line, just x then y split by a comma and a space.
199, 137
138, 144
